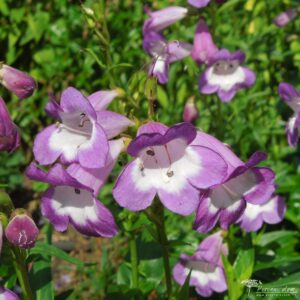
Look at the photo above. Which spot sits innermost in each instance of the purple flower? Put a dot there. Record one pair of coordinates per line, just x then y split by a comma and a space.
167, 165
202, 3
9, 133
21, 231
225, 75
292, 98
163, 54
204, 48
285, 17
68, 201
82, 133
20, 83
207, 269
244, 183
160, 19
271, 212
6, 294
190, 111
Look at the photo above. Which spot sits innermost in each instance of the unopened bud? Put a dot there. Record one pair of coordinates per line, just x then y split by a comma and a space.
190, 112
19, 83
21, 230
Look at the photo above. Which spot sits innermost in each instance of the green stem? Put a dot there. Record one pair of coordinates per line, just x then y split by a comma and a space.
134, 262
21, 271
158, 210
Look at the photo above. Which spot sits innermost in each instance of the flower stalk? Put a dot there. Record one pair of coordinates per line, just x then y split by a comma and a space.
21, 271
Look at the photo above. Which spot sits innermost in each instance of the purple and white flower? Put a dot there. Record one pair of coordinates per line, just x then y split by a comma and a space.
167, 165
190, 111
6, 294
292, 98
204, 48
82, 133
21, 231
207, 272
20, 83
9, 132
285, 17
271, 212
244, 183
163, 53
225, 75
68, 201
163, 18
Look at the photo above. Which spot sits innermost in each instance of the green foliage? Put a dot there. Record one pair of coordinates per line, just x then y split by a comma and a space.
57, 44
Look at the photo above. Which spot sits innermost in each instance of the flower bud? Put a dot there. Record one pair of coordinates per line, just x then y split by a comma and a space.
6, 294
9, 133
285, 17
190, 112
20, 83
21, 231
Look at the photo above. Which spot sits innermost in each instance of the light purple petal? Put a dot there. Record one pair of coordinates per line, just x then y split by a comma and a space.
204, 48
101, 99
285, 17
152, 127
163, 18
183, 202
52, 108
290, 95
6, 294
178, 50
213, 168
198, 3
43, 153
73, 101
126, 191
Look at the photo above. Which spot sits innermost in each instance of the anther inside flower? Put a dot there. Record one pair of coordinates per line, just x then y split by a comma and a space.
166, 164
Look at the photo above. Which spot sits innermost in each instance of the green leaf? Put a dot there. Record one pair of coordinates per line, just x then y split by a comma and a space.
184, 292
162, 97
292, 280
243, 265
275, 236
50, 250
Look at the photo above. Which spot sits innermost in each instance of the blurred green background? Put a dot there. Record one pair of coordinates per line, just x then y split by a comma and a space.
53, 42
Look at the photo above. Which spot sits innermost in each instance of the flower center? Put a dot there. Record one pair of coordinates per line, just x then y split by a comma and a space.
225, 67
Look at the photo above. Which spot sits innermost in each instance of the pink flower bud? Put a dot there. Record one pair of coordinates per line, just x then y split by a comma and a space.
9, 133
285, 17
190, 112
20, 83
21, 231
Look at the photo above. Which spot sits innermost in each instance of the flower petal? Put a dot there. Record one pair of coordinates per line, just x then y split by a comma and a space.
113, 123
127, 190
101, 99
178, 50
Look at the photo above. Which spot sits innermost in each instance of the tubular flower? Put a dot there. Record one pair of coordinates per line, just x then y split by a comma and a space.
161, 19
82, 133
292, 98
204, 47
163, 54
68, 201
206, 267
244, 183
20, 83
9, 133
271, 212
225, 75
21, 231
6, 294
285, 17
167, 165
